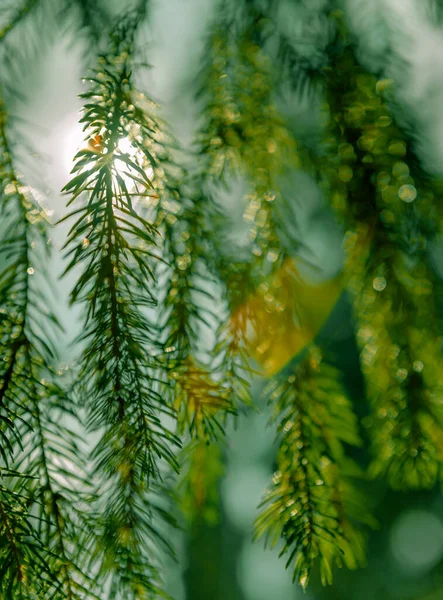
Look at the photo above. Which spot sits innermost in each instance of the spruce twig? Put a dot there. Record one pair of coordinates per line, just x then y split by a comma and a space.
120, 374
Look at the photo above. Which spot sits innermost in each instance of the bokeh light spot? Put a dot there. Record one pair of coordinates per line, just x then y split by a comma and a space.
417, 541
407, 193
379, 284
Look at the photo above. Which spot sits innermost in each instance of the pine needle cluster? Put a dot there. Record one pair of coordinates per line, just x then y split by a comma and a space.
121, 374
391, 275
313, 503
41, 457
171, 318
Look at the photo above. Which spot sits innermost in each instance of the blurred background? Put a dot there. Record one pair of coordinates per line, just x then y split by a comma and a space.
219, 561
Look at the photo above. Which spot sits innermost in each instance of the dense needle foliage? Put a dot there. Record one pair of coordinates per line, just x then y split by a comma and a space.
183, 308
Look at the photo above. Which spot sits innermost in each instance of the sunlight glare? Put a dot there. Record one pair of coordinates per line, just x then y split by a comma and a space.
125, 147
74, 141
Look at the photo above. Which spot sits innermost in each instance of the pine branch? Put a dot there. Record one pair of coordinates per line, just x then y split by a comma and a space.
313, 504
24, 565
392, 280
120, 374
236, 119
52, 456
29, 432
207, 384
242, 131
400, 358
201, 402
21, 301
232, 352
377, 187
238, 114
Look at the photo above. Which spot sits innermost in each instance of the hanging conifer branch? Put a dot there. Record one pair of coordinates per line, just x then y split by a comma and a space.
230, 140
172, 315
238, 115
375, 183
187, 318
201, 402
242, 130
120, 378
400, 359
207, 383
392, 279
54, 461
25, 568
313, 504
23, 239
232, 350
30, 398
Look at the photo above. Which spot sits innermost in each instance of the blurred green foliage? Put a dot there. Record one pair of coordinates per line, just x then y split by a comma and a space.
194, 309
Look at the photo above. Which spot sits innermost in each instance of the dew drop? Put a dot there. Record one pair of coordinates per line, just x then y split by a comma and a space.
397, 148
400, 169
384, 121
418, 366
379, 284
407, 193
345, 173
401, 374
